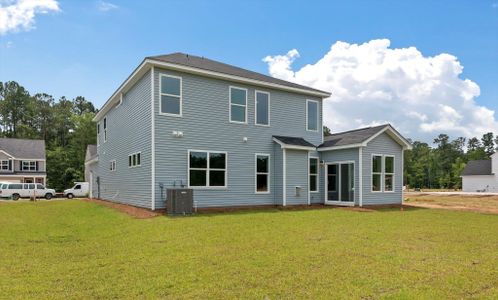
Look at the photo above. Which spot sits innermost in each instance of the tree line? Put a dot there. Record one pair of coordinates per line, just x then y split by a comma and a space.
65, 125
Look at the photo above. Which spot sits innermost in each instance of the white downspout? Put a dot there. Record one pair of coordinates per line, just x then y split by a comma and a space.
360, 174
153, 141
284, 178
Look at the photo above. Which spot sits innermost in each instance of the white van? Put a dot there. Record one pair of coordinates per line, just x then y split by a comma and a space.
25, 190
80, 189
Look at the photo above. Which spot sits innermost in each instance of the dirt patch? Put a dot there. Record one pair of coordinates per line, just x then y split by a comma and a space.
136, 212
459, 202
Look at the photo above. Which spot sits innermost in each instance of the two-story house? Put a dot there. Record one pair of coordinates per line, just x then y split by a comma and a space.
238, 138
22, 160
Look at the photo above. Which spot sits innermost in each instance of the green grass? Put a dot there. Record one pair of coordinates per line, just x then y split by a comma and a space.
75, 249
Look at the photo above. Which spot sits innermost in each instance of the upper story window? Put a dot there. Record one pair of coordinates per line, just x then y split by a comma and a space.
313, 173
238, 105
28, 165
5, 165
134, 160
105, 129
207, 168
98, 134
312, 115
262, 108
171, 95
112, 165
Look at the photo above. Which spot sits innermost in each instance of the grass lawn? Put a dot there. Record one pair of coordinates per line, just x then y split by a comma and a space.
76, 249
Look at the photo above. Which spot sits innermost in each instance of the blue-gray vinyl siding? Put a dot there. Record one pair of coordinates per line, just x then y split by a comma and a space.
317, 197
129, 131
384, 145
205, 126
277, 174
297, 177
342, 155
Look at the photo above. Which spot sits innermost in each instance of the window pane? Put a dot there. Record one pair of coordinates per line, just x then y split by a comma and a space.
376, 182
217, 160
262, 108
170, 85
198, 159
238, 96
313, 183
197, 178
138, 158
129, 160
389, 183
262, 164
262, 183
312, 115
216, 178
332, 183
313, 166
377, 164
389, 164
170, 105
134, 163
238, 113
332, 169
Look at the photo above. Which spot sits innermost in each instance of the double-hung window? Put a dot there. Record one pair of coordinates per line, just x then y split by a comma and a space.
5, 165
171, 95
313, 173
112, 165
28, 165
382, 173
207, 168
262, 173
312, 115
238, 105
134, 160
262, 108
105, 129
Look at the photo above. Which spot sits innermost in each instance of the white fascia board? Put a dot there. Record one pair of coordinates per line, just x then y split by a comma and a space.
340, 147
398, 138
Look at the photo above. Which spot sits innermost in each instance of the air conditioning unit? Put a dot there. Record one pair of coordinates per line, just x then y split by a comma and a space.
179, 201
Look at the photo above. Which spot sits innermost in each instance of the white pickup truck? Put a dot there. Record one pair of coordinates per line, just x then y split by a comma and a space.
25, 190
80, 189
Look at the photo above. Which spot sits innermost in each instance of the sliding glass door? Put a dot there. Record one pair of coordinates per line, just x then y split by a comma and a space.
340, 183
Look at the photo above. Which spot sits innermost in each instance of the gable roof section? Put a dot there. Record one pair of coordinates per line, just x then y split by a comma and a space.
360, 138
290, 142
205, 67
23, 148
477, 167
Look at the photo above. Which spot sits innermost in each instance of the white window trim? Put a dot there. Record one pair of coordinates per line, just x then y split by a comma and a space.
256, 92
2, 163
113, 165
29, 166
317, 115
230, 104
207, 186
170, 95
256, 173
385, 173
105, 125
317, 174
372, 173
134, 154
98, 134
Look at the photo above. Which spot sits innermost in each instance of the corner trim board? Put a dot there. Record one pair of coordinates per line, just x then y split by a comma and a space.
153, 141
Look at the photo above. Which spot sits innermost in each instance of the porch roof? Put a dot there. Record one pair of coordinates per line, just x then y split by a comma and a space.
290, 142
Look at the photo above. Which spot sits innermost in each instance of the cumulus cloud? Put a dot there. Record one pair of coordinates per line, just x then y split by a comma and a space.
20, 15
372, 84
106, 6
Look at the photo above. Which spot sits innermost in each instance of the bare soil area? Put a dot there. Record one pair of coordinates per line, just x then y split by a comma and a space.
476, 203
136, 212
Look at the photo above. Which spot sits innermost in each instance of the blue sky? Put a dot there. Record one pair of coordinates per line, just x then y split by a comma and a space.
89, 47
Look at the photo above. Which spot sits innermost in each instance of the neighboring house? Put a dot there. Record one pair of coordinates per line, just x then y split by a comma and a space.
22, 160
238, 138
481, 175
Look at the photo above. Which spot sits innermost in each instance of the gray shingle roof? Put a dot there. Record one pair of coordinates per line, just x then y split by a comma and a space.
23, 148
91, 152
215, 66
477, 167
294, 141
351, 137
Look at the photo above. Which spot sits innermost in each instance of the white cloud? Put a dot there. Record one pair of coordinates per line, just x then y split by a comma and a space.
106, 6
372, 83
20, 14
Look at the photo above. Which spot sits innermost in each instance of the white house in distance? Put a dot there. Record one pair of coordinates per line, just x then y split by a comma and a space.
481, 175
